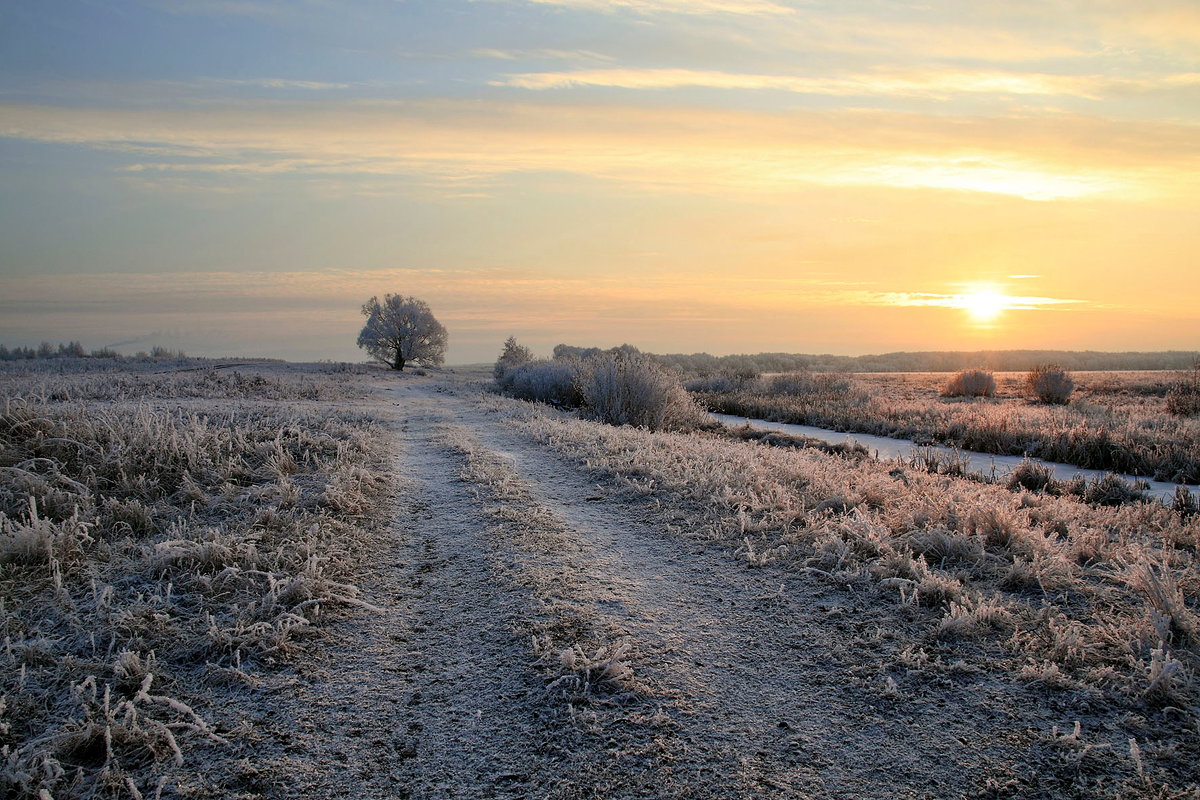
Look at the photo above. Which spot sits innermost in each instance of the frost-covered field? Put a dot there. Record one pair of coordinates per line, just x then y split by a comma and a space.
277, 581
1097, 606
1115, 421
166, 530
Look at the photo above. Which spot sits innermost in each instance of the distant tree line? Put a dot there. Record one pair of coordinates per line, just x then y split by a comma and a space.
74, 349
702, 364
586, 353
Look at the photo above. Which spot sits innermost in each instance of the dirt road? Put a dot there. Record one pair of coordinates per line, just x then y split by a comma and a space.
541, 634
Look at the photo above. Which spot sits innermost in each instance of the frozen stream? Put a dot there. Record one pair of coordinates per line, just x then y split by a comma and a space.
884, 447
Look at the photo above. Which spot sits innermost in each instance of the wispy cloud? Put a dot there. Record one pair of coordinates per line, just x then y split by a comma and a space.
966, 301
467, 145
695, 7
1162, 23
981, 172
275, 83
400, 146
221, 8
506, 293
541, 54
937, 84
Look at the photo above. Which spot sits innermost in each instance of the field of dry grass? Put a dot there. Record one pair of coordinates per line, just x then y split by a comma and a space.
1116, 421
1098, 606
542, 605
162, 532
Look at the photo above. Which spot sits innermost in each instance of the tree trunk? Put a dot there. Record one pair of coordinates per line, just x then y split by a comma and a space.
399, 362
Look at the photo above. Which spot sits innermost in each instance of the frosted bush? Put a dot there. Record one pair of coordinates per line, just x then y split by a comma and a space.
1050, 384
632, 390
512, 356
554, 382
970, 383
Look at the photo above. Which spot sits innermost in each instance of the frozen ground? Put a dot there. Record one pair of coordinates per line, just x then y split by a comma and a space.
539, 627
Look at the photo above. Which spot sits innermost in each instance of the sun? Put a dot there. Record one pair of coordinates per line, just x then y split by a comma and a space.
984, 305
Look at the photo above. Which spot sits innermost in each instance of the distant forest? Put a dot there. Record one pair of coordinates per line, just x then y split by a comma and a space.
75, 349
698, 364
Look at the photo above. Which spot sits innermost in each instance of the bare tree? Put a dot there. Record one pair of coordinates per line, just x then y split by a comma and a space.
402, 329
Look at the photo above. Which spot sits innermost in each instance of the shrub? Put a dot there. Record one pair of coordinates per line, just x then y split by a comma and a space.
512, 356
1183, 398
630, 389
555, 382
1050, 384
970, 383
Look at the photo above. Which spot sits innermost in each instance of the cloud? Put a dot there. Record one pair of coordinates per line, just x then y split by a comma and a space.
502, 296
276, 83
1168, 24
541, 54
468, 146
964, 301
932, 84
980, 174
755, 8
221, 8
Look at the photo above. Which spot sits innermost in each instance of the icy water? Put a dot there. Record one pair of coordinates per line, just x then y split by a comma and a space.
883, 447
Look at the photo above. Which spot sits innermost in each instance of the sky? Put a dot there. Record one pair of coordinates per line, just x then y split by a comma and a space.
237, 177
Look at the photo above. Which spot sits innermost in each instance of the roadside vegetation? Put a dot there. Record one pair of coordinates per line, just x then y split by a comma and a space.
1094, 605
164, 536
619, 386
171, 533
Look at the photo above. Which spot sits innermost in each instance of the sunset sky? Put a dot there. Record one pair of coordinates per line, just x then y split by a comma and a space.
235, 177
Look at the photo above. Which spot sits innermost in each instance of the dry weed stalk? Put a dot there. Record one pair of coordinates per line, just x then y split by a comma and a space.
604, 677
